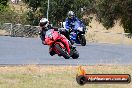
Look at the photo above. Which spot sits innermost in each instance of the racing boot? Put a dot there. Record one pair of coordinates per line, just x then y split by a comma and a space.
72, 51
71, 45
73, 48
52, 53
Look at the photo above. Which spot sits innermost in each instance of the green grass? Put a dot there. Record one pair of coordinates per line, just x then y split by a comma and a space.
56, 76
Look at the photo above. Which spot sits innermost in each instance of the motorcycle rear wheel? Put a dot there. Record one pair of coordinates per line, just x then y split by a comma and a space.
62, 52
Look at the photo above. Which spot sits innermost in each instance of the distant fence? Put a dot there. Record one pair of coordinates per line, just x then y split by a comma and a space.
19, 30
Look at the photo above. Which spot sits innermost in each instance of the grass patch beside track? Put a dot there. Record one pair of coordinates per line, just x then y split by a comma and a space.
43, 76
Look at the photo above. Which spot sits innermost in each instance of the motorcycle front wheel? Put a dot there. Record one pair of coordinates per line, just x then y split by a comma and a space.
75, 54
82, 40
62, 51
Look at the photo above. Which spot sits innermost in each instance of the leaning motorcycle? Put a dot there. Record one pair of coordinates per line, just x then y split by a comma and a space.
78, 33
59, 44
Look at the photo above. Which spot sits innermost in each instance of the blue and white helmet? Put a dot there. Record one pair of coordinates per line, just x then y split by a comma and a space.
71, 14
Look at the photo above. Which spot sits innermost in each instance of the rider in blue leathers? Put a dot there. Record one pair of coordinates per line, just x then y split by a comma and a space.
69, 21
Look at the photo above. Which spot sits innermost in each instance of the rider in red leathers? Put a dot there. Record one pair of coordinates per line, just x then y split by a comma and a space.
45, 26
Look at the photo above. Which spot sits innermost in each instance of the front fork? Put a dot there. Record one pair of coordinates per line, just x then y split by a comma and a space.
79, 36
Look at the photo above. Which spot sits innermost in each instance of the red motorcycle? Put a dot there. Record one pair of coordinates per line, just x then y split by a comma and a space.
60, 44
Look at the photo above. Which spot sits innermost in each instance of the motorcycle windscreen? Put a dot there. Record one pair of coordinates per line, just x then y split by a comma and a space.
77, 25
49, 34
48, 37
48, 41
55, 35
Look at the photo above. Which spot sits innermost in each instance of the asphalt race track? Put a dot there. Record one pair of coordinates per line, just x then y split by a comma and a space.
17, 50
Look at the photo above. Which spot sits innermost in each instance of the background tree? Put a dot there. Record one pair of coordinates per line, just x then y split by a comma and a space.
58, 9
109, 11
3, 5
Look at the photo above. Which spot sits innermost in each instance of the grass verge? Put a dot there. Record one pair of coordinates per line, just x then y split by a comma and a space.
35, 76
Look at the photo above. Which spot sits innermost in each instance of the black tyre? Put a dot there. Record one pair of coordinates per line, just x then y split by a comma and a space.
75, 54
82, 40
62, 52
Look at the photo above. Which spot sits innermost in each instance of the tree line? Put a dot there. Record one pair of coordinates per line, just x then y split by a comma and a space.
107, 11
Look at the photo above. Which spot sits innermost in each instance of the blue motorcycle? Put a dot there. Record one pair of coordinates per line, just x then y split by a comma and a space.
78, 33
